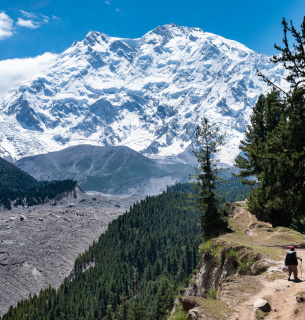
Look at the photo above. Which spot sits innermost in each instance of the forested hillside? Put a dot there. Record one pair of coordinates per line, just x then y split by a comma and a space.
19, 188
139, 263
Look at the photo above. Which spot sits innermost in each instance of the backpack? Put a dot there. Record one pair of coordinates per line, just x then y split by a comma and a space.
291, 258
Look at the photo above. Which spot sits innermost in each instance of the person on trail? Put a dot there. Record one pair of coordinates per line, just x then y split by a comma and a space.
291, 261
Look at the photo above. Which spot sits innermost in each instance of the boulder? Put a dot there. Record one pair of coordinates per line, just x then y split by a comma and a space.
22, 217
300, 297
262, 305
189, 303
196, 314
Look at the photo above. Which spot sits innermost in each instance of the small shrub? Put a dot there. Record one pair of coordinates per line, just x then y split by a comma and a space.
217, 252
258, 315
300, 297
205, 247
212, 294
232, 254
181, 289
180, 314
243, 265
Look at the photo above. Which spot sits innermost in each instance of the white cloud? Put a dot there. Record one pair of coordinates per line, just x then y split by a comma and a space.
14, 72
28, 14
46, 19
28, 23
117, 10
32, 21
107, 2
6, 26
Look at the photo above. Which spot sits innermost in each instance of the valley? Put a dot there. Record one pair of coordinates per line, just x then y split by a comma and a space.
38, 245
109, 122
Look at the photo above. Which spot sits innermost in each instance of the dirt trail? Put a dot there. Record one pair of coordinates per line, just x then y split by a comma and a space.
277, 290
281, 294
248, 261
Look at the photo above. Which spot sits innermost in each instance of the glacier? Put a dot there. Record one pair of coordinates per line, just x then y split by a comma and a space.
148, 94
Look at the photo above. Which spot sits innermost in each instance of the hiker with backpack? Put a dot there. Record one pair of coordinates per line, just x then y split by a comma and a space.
291, 261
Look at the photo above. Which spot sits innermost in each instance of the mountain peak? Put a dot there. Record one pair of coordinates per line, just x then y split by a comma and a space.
94, 37
173, 29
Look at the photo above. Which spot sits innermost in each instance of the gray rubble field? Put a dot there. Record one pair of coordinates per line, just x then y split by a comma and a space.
38, 245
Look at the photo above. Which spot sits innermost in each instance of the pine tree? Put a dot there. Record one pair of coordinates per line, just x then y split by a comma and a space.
274, 144
164, 299
212, 220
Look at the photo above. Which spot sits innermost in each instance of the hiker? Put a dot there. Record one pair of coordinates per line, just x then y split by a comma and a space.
291, 261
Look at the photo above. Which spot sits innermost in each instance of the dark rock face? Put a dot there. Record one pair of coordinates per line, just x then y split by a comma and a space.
196, 314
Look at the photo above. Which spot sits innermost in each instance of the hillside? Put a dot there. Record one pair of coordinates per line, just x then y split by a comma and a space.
147, 94
147, 254
137, 264
19, 188
110, 170
242, 267
12, 177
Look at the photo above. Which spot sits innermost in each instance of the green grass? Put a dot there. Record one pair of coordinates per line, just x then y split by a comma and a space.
243, 265
212, 293
232, 254
205, 247
216, 309
180, 314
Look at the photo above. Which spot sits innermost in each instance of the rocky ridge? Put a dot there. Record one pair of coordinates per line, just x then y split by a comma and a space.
115, 170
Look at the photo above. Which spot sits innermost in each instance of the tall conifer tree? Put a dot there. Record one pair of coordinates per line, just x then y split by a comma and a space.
209, 140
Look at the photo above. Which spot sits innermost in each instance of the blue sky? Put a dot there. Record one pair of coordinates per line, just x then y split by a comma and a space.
29, 27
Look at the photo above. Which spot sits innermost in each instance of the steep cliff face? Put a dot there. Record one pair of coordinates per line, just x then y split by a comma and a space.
239, 268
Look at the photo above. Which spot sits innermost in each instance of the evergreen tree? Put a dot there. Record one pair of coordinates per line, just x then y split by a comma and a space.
164, 299
274, 144
212, 220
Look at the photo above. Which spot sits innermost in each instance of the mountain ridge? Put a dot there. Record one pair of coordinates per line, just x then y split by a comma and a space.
112, 169
147, 94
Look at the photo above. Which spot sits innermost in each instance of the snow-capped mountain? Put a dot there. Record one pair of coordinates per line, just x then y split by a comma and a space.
147, 94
